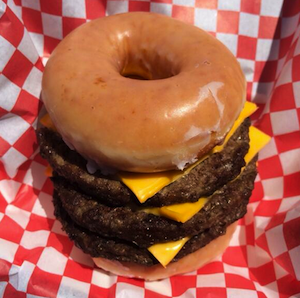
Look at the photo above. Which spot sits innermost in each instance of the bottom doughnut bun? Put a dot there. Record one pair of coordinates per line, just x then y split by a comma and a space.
188, 263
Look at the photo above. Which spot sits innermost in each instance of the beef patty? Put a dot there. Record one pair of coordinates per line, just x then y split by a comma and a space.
204, 179
114, 239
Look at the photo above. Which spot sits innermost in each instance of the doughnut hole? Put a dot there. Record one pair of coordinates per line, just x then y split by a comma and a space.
147, 65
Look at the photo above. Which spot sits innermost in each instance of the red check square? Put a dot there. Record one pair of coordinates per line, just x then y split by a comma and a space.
52, 7
18, 68
236, 256
37, 223
250, 6
185, 14
270, 167
15, 231
276, 220
27, 106
291, 233
95, 9
26, 197
288, 285
296, 68
291, 185
262, 242
211, 4
285, 262
4, 146
69, 24
228, 21
267, 208
27, 143
257, 193
180, 284
78, 271
15, 26
287, 142
139, 6
250, 234
96, 291
22, 171
48, 187
259, 273
4, 270
48, 283
31, 255
49, 45
2, 112
285, 45
60, 243
246, 47
283, 98
267, 27
238, 282
32, 20
212, 267
3, 203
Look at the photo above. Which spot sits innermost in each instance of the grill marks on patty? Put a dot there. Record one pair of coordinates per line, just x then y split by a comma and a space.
100, 213
215, 171
225, 207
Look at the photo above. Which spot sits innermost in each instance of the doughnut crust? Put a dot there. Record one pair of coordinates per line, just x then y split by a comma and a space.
193, 92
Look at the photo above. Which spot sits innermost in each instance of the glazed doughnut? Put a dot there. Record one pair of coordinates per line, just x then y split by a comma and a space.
192, 91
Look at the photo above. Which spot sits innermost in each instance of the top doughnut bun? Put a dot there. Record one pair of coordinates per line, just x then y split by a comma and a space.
142, 92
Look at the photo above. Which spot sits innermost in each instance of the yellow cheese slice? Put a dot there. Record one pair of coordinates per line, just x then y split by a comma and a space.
183, 212
144, 186
258, 140
178, 212
166, 252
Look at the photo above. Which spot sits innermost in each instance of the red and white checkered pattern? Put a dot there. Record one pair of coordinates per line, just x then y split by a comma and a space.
36, 257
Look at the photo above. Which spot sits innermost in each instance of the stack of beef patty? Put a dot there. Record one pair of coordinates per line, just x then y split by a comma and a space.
105, 219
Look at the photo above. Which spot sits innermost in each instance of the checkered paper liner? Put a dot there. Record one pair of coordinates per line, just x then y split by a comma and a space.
263, 260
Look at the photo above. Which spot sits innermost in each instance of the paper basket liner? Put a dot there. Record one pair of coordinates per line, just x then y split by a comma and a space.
36, 257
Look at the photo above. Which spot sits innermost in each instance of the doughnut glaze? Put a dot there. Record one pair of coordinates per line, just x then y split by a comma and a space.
192, 91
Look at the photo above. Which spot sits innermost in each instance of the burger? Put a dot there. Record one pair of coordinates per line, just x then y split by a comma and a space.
146, 185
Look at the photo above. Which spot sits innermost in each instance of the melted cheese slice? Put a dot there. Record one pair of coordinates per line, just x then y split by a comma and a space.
258, 140
178, 212
166, 252
144, 186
